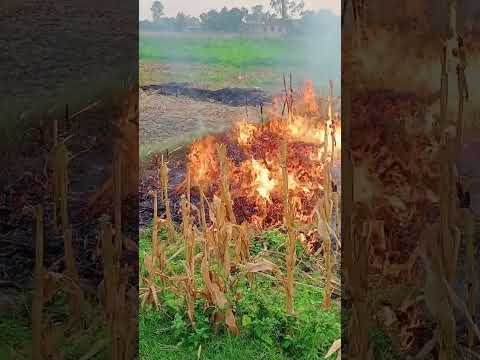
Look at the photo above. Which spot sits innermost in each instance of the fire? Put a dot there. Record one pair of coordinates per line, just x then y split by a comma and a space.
263, 181
204, 159
254, 172
245, 131
309, 98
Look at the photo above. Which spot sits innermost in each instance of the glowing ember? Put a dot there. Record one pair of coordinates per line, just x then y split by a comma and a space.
254, 172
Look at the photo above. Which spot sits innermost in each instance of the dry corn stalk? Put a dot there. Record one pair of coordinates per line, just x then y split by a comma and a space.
117, 183
336, 197
449, 236
75, 296
327, 254
189, 185
461, 98
166, 201
462, 90
227, 200
131, 324
216, 296
217, 240
155, 244
222, 234
203, 217
442, 241
147, 288
354, 249
438, 302
325, 138
55, 132
242, 244
38, 300
60, 186
331, 129
291, 255
328, 201
125, 321
189, 244
357, 260
472, 287
120, 303
110, 281
242, 248
444, 92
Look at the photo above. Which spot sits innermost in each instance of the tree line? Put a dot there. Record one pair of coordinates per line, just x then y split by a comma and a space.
280, 13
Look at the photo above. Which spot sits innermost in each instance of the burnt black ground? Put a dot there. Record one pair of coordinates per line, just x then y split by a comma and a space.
227, 96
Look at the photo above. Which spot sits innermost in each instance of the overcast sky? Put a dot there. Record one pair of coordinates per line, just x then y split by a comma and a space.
196, 7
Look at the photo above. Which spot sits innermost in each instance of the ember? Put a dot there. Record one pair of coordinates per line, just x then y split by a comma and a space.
253, 164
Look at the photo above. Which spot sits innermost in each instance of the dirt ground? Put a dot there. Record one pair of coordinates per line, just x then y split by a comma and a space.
167, 121
52, 59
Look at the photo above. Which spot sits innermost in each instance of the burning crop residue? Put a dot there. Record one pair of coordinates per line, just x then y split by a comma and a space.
253, 161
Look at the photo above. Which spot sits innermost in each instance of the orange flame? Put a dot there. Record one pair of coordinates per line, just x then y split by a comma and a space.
255, 177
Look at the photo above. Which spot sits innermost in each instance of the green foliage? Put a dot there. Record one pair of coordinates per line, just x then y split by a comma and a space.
157, 10
224, 20
383, 345
271, 240
15, 332
209, 60
238, 52
266, 329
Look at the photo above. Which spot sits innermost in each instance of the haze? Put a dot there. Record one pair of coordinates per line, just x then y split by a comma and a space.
172, 7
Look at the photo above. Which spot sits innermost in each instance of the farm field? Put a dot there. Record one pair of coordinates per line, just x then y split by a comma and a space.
239, 250
216, 61
268, 332
233, 265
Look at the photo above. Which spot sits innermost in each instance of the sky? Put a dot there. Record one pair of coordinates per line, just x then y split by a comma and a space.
192, 7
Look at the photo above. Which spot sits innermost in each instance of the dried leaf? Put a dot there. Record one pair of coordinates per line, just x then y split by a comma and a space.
336, 346
154, 296
260, 266
389, 316
231, 323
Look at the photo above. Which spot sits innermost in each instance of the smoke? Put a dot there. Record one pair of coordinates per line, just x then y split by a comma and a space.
406, 65
321, 47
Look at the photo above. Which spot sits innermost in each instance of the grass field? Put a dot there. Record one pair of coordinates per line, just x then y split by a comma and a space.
234, 60
16, 332
267, 331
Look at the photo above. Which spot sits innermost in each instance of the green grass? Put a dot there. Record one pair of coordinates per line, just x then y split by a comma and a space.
16, 333
267, 331
236, 52
217, 61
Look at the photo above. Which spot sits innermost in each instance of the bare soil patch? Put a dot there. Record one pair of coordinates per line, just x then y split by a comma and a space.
167, 121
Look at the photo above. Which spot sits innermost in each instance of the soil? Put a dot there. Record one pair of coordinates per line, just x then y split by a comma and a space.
26, 184
51, 54
167, 120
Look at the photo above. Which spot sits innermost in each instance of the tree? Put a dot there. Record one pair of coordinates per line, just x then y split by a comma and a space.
157, 10
180, 22
257, 10
225, 20
287, 8
256, 15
